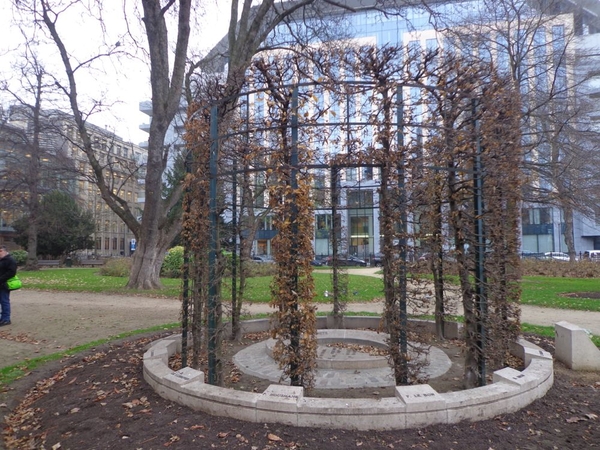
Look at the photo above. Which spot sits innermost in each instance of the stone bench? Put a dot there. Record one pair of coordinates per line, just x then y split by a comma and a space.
48, 263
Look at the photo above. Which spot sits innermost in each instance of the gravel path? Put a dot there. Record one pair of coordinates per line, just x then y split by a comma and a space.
47, 322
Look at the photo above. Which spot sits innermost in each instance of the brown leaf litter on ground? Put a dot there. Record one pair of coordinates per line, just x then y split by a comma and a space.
100, 401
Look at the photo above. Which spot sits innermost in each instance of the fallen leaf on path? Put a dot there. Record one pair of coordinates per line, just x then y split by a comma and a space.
575, 419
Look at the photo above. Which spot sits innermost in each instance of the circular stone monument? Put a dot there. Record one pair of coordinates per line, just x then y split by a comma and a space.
341, 363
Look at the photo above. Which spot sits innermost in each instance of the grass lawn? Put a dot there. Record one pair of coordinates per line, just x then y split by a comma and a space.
549, 292
361, 288
539, 291
89, 280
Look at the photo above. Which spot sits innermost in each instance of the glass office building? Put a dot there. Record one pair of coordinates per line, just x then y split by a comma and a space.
542, 45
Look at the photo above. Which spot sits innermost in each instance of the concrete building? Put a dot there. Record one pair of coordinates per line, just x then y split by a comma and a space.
65, 166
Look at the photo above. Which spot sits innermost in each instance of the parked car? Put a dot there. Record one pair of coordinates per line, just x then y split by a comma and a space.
346, 260
316, 263
377, 260
352, 261
592, 255
526, 254
261, 259
558, 256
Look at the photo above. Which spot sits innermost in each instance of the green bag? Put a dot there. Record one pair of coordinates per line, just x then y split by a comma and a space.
14, 283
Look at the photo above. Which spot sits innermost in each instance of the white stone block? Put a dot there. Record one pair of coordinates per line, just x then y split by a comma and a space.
575, 348
508, 375
159, 352
279, 404
535, 353
221, 401
420, 397
183, 377
155, 369
423, 405
478, 403
347, 413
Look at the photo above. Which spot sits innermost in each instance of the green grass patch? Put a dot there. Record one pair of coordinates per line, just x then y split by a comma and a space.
16, 371
538, 330
536, 290
360, 288
550, 292
89, 280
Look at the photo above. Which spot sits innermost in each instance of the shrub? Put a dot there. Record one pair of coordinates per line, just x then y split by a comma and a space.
173, 263
552, 268
116, 267
257, 269
20, 256
253, 268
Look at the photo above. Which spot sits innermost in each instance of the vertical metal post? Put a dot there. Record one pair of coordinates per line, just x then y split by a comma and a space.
294, 167
402, 240
212, 256
335, 229
235, 236
294, 332
186, 278
234, 222
480, 279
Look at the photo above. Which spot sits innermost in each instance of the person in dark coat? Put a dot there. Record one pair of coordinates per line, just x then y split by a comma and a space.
8, 269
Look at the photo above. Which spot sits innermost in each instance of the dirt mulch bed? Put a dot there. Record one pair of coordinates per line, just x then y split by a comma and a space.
595, 295
100, 401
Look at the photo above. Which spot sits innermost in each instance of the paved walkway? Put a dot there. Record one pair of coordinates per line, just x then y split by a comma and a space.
47, 322
355, 369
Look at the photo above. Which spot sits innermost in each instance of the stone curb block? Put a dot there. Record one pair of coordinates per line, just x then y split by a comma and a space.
413, 406
221, 401
351, 413
163, 349
279, 404
532, 353
574, 347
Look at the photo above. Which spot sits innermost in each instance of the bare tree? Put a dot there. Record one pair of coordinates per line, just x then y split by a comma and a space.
538, 44
158, 227
37, 156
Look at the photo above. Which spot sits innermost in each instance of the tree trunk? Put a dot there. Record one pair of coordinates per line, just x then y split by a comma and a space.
569, 234
471, 372
157, 229
33, 179
147, 262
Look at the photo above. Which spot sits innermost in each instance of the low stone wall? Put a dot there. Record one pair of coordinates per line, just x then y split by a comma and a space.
412, 406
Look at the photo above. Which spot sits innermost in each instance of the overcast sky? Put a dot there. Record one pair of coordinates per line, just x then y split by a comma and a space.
122, 83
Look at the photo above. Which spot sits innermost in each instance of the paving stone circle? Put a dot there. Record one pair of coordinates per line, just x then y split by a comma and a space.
340, 367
